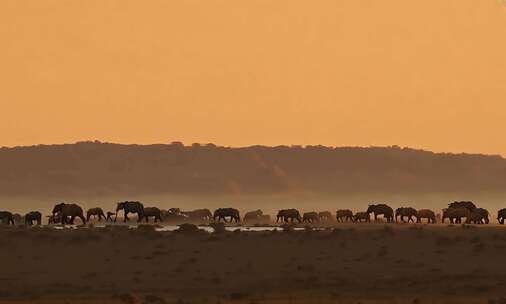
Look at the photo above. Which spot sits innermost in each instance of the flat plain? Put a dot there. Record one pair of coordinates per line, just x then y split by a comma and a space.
344, 263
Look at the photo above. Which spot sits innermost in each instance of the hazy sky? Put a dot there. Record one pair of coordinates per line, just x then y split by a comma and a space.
428, 74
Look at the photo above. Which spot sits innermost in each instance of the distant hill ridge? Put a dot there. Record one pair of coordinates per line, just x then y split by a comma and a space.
105, 168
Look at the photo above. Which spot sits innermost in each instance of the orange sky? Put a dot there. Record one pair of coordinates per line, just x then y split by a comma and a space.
428, 74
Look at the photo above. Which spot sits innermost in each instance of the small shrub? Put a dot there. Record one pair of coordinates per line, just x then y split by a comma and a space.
218, 227
127, 298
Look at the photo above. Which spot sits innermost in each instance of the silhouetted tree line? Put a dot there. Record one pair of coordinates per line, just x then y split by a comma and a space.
104, 168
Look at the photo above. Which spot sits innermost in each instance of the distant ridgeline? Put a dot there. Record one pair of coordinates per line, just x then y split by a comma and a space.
101, 168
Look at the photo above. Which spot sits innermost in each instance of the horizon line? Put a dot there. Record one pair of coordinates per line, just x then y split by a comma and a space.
302, 146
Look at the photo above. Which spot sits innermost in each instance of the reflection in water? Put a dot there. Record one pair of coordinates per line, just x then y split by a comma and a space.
173, 228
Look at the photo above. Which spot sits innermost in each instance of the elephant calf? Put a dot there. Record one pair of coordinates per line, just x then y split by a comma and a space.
34, 216
310, 217
359, 216
95, 212
6, 218
152, 212
501, 216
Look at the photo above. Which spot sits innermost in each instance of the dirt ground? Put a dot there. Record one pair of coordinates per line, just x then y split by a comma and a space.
350, 263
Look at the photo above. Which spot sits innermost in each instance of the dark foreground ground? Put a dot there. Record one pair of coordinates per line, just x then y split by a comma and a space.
369, 263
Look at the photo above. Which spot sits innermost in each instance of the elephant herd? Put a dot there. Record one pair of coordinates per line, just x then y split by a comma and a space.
65, 213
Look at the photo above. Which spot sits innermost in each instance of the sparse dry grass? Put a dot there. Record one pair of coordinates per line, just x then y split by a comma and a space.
322, 266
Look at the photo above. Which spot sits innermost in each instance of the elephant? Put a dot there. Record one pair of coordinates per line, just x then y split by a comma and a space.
475, 217
69, 210
310, 217
426, 213
18, 219
198, 215
130, 207
455, 214
467, 205
109, 216
359, 216
501, 216
253, 216
289, 214
6, 218
95, 212
152, 212
379, 209
409, 212
483, 213
53, 219
223, 213
344, 215
30, 217
325, 216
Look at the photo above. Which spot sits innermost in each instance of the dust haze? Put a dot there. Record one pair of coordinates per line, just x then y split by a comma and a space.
96, 174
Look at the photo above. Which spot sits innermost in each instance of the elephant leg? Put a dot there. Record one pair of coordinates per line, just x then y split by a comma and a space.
82, 219
125, 219
72, 218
